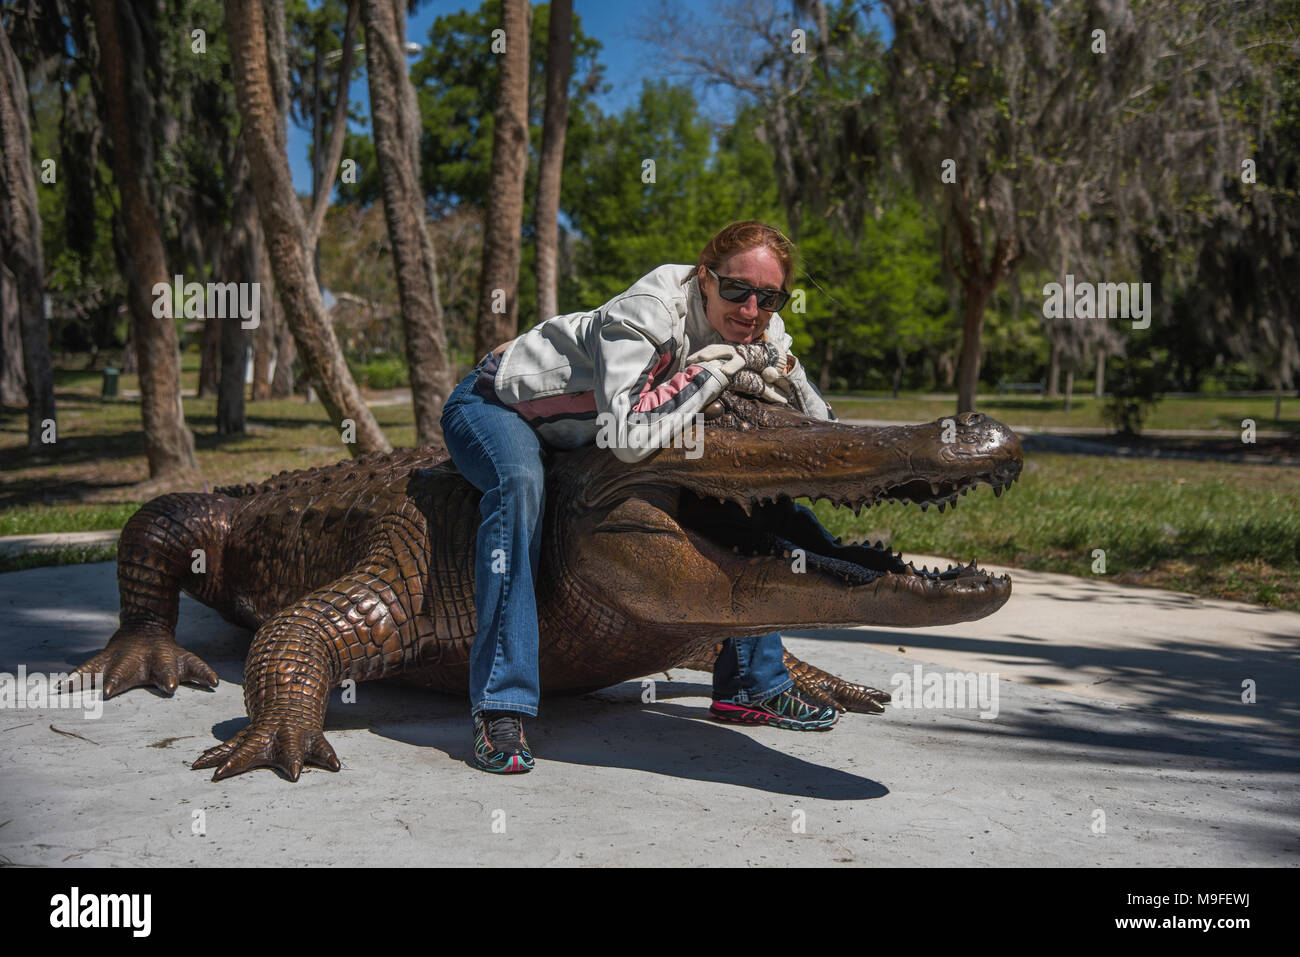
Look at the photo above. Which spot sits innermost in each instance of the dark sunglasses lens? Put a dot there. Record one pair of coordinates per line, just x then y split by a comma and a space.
733, 290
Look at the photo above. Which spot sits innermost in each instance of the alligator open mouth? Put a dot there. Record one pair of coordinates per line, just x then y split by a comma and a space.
777, 528
729, 522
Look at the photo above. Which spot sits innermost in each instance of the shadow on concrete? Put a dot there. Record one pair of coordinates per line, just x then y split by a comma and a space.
74, 612
1176, 677
611, 729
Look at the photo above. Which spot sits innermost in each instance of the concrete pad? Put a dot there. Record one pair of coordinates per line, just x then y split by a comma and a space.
1144, 648
1160, 766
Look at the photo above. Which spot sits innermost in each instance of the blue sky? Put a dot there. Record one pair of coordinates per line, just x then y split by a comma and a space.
612, 23
627, 61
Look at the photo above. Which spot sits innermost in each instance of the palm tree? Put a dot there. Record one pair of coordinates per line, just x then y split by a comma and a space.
498, 312
169, 444
285, 230
559, 64
20, 247
396, 120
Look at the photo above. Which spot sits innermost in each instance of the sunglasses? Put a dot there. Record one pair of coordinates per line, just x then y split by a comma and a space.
737, 290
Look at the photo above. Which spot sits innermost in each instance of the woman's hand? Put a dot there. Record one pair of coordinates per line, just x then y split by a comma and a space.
750, 368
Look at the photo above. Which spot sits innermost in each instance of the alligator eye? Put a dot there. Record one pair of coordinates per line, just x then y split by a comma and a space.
713, 410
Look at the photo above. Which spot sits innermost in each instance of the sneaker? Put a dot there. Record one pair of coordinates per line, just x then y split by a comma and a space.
794, 711
499, 743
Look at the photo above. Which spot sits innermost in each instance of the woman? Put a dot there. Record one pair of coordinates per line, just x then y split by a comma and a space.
663, 350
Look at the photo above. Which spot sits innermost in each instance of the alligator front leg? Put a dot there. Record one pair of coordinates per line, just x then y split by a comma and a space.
156, 559
355, 627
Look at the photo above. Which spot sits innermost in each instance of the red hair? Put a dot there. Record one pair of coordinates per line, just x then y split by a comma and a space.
743, 236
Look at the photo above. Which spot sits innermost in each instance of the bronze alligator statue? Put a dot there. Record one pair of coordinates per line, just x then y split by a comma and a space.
365, 569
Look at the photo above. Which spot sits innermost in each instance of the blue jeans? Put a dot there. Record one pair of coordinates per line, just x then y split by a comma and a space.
500, 454
750, 669
503, 458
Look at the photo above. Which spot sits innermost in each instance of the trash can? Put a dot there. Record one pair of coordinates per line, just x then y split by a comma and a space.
110, 384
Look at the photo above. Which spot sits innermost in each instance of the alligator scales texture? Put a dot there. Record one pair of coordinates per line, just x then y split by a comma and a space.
365, 569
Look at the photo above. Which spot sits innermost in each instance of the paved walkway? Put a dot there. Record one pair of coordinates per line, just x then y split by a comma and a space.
1120, 739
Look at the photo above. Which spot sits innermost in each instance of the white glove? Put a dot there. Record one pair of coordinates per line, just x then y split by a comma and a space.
750, 368
729, 360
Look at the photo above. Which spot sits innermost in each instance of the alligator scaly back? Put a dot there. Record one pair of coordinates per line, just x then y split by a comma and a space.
366, 467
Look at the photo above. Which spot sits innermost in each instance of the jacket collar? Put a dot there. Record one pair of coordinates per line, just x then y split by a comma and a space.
698, 330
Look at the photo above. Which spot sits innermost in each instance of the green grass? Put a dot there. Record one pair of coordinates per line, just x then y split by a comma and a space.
1220, 529
72, 555
41, 519
1200, 412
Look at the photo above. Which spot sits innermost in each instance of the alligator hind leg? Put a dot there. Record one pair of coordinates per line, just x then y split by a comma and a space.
356, 627
155, 561
845, 695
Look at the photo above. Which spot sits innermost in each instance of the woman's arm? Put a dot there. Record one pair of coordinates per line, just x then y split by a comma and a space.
804, 397
635, 345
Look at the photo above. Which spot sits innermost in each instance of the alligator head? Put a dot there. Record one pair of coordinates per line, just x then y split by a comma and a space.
707, 541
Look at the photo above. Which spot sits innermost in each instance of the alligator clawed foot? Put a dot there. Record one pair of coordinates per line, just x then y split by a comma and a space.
281, 743
845, 695
139, 658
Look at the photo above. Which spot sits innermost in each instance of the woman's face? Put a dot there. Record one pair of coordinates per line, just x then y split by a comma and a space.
742, 321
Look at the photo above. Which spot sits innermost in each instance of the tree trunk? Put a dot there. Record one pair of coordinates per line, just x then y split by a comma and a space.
210, 359
284, 229
264, 336
824, 374
323, 185
130, 361
20, 242
559, 65
273, 335
498, 307
898, 371
968, 367
282, 381
239, 260
13, 381
169, 445
1099, 386
1069, 388
1054, 372
396, 119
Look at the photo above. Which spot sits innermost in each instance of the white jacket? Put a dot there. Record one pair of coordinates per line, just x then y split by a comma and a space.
575, 374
